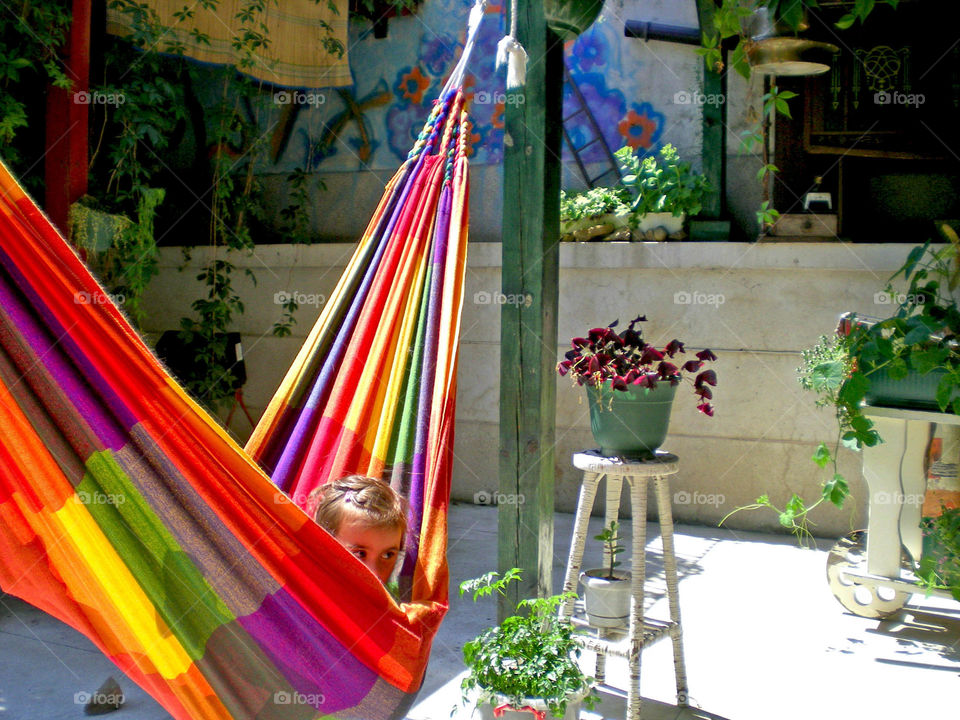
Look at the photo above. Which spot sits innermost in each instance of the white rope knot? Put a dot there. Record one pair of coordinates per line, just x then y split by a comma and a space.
511, 52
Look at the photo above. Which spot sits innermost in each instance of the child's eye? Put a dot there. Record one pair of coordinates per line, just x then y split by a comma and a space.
362, 554
389, 554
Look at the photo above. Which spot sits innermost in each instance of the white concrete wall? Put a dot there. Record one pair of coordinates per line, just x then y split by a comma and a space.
755, 305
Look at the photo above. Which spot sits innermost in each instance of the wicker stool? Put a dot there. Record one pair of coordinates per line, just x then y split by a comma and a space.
628, 642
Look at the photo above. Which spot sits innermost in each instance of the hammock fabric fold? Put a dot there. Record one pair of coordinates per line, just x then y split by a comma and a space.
129, 514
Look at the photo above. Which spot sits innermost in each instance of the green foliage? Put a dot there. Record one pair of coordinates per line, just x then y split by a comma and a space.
661, 182
31, 35
593, 203
529, 655
940, 564
919, 336
611, 546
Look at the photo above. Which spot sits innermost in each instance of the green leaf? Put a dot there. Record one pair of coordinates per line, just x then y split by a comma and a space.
846, 22
919, 334
945, 390
836, 490
853, 390
822, 455
827, 375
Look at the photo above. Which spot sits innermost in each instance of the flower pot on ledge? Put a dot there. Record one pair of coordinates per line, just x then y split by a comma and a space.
633, 422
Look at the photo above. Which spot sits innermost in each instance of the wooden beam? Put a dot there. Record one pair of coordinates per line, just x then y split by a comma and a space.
66, 146
528, 334
714, 124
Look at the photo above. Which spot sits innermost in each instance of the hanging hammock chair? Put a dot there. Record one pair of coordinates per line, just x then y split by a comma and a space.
129, 514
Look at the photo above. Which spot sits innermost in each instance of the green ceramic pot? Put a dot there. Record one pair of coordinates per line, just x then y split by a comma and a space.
630, 423
569, 18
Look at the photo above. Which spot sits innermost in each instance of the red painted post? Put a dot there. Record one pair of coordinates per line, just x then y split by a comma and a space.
66, 151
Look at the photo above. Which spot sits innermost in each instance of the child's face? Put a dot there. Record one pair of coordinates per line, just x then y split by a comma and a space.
377, 548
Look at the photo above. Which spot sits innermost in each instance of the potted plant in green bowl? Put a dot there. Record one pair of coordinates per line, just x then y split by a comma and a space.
527, 663
601, 212
631, 385
910, 359
606, 590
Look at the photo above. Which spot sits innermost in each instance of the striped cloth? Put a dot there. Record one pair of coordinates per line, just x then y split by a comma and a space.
129, 514
294, 57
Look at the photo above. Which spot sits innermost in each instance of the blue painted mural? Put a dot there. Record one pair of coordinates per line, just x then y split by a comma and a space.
373, 124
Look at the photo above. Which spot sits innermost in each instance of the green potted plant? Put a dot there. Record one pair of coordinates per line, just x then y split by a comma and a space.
940, 564
600, 212
631, 385
665, 190
526, 663
910, 359
606, 591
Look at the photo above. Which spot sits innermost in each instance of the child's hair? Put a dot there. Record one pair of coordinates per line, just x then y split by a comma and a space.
358, 497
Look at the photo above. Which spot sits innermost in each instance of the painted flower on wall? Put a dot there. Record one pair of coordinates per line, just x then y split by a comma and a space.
411, 84
590, 50
438, 52
641, 127
404, 123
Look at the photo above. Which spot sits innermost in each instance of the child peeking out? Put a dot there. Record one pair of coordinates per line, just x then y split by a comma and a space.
368, 518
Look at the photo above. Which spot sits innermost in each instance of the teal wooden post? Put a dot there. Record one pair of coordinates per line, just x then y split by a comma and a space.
714, 123
528, 335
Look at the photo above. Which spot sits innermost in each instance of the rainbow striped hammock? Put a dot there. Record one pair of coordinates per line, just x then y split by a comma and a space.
129, 514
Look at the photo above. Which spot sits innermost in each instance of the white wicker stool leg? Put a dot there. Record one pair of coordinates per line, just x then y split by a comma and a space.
588, 493
665, 512
638, 502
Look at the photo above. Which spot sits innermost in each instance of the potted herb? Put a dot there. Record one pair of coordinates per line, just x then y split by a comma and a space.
631, 385
526, 663
909, 359
595, 213
665, 190
606, 591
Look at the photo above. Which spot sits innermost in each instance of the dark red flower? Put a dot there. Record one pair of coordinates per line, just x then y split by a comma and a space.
673, 347
706, 354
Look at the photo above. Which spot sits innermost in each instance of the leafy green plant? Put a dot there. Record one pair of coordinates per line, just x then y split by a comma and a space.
661, 182
593, 203
626, 359
611, 546
940, 564
918, 337
531, 655
31, 35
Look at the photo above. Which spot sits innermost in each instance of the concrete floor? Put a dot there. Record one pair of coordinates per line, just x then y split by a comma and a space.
763, 637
